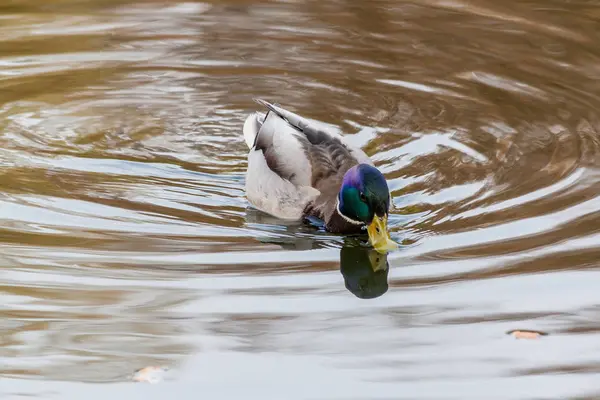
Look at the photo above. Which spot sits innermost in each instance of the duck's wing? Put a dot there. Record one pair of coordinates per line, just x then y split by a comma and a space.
307, 154
278, 174
269, 192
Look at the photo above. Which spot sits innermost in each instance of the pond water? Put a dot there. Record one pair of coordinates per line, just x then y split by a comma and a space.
126, 240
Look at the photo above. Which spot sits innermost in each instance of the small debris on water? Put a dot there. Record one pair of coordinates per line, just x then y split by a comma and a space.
526, 334
152, 374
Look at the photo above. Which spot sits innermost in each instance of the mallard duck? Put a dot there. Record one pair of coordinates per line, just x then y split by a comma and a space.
298, 171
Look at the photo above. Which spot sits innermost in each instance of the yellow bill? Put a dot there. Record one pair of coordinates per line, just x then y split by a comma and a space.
379, 235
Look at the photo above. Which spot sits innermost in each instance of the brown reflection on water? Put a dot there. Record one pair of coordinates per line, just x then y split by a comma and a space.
126, 240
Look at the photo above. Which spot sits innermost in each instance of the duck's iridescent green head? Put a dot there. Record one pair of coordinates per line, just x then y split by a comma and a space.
364, 198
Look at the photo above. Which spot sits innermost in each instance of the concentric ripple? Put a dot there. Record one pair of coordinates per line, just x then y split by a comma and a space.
126, 240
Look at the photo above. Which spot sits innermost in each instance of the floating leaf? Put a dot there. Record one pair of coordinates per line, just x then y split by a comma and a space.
152, 374
526, 334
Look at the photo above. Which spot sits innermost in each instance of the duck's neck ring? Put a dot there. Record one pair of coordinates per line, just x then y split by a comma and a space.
347, 219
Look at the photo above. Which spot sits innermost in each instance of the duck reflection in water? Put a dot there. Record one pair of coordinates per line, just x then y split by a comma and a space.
365, 271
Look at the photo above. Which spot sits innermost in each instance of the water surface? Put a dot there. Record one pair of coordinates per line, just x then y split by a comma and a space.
126, 239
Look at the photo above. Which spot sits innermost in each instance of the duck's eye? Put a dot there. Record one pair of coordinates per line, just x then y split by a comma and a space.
363, 198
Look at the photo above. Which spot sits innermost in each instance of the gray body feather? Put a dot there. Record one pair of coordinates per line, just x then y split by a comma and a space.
296, 167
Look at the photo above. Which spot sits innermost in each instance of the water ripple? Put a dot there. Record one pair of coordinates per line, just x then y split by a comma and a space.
126, 240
